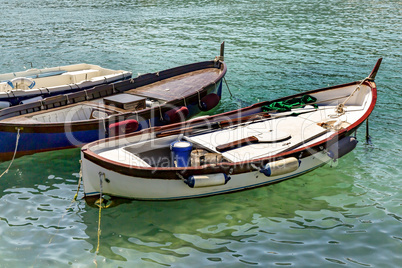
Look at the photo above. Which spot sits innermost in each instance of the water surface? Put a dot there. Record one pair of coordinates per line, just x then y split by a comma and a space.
346, 215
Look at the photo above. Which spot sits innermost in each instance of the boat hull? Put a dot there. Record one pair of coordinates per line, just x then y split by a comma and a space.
34, 138
228, 152
120, 185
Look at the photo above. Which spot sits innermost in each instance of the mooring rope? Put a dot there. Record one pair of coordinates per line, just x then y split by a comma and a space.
185, 103
340, 108
199, 98
242, 102
15, 152
160, 113
224, 79
100, 210
79, 182
368, 137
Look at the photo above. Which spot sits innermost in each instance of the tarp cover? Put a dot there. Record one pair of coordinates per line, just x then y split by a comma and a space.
287, 105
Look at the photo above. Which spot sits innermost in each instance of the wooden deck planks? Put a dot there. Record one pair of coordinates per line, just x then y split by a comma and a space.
178, 86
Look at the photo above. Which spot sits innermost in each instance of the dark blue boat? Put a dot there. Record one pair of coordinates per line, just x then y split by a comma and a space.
75, 119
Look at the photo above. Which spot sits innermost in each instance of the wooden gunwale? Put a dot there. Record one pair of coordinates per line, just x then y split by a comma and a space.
235, 167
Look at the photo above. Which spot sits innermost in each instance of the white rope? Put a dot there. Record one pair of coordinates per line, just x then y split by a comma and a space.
160, 113
340, 108
15, 152
104, 124
199, 98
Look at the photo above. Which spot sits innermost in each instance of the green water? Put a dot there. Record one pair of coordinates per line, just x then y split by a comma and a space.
348, 215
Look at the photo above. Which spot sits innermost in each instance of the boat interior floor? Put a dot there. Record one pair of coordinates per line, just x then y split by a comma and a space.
136, 99
178, 86
310, 127
321, 123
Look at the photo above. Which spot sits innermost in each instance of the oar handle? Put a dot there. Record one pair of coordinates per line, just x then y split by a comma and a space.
235, 144
173, 132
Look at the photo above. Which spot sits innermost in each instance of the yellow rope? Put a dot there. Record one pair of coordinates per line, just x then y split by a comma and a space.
100, 210
99, 227
79, 182
15, 152
100, 214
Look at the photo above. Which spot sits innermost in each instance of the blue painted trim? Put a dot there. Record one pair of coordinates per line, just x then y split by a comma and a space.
32, 85
47, 74
10, 84
30, 142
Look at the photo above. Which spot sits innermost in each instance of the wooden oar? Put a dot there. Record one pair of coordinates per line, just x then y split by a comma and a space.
273, 116
255, 139
215, 125
305, 141
267, 137
230, 122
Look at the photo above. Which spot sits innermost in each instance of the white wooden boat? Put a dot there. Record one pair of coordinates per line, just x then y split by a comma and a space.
35, 84
233, 151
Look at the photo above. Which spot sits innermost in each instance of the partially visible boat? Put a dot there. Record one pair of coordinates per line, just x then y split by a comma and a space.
258, 145
74, 119
34, 84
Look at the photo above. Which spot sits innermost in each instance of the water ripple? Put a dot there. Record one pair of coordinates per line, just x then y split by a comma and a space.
347, 214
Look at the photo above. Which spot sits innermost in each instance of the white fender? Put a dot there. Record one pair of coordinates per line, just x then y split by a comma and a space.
4, 104
196, 181
280, 167
32, 100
